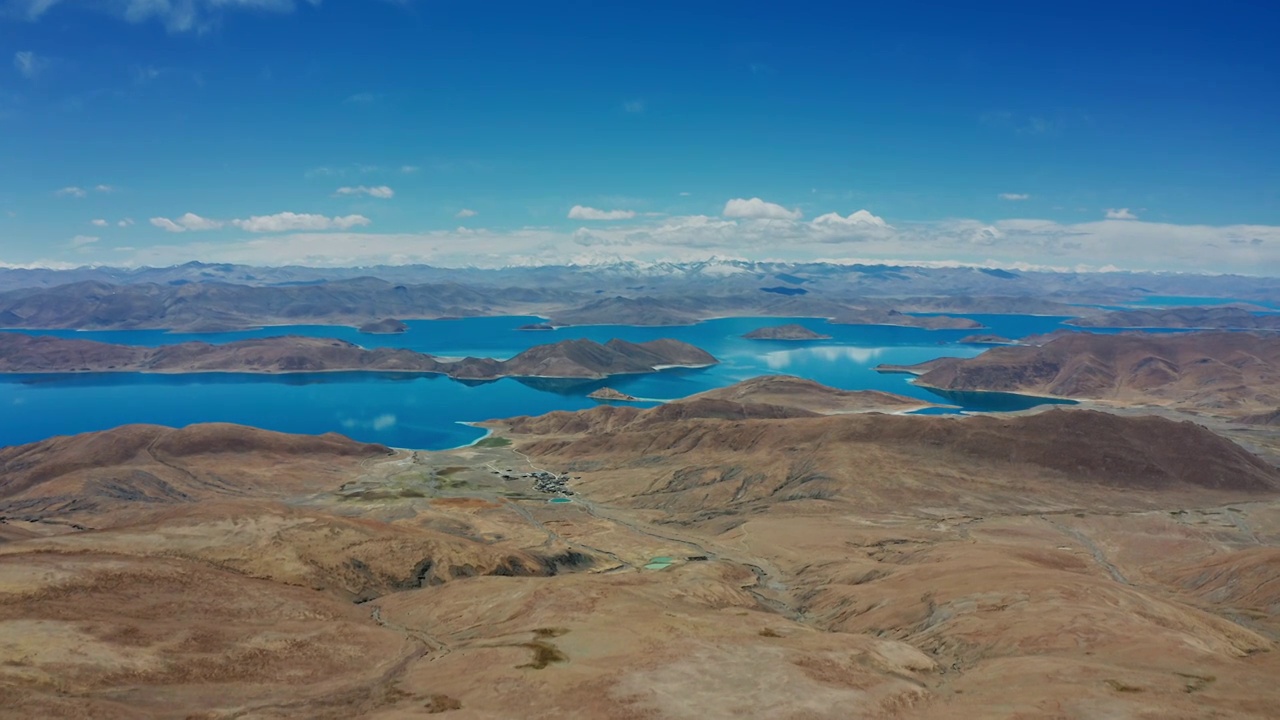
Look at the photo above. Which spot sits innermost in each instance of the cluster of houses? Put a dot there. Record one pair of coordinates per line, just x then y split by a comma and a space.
543, 481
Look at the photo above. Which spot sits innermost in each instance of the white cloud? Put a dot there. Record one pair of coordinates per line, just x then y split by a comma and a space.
1120, 214
98, 223
125, 222
758, 209
280, 222
466, 213
82, 240
1014, 244
861, 218
633, 106
176, 15
1014, 196
71, 191
381, 191
104, 188
580, 212
409, 169
189, 221
29, 64
295, 222
194, 222
685, 194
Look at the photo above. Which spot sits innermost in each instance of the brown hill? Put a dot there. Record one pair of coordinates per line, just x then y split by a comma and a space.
785, 332
791, 391
590, 359
875, 316
1262, 418
1198, 318
624, 311
1088, 446
21, 353
717, 559
149, 467
1224, 373
221, 306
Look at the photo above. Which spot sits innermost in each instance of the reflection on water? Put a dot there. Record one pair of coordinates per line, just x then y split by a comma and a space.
424, 411
783, 359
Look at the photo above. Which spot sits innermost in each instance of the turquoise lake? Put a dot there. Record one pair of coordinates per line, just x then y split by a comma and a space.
426, 411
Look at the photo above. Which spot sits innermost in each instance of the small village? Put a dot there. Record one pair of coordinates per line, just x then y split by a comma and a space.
543, 481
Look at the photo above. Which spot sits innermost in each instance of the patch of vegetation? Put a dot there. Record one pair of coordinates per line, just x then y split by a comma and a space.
551, 632
493, 442
770, 633
451, 470
1123, 687
544, 654
439, 703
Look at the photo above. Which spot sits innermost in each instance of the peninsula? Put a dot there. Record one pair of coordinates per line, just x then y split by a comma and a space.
1218, 373
1191, 318
21, 353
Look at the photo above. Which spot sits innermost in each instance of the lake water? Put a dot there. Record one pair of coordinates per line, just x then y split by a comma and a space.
426, 411
1162, 301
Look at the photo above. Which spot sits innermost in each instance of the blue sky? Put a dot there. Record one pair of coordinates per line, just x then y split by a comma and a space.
333, 132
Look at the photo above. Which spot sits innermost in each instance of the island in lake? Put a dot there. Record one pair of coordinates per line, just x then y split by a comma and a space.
785, 332
20, 353
389, 326
612, 395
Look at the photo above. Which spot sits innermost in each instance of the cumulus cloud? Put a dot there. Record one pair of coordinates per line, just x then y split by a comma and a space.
125, 222
176, 15
381, 191
194, 222
82, 240
98, 223
1014, 196
758, 209
104, 188
296, 222
71, 191
189, 221
29, 65
861, 218
466, 213
1120, 214
280, 222
580, 212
